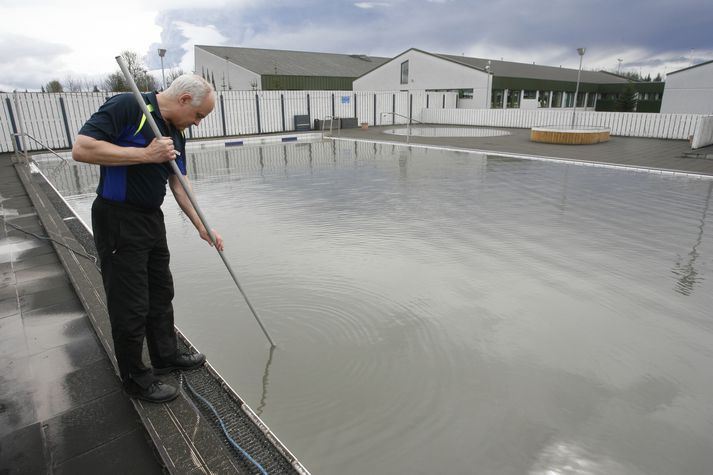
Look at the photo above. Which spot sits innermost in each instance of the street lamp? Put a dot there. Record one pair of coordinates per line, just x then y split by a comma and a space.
227, 73
580, 51
488, 93
618, 67
162, 53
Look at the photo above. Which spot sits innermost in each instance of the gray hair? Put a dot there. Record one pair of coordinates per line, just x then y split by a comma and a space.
192, 84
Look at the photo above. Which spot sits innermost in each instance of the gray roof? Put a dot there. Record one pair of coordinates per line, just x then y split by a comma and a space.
297, 63
535, 71
690, 67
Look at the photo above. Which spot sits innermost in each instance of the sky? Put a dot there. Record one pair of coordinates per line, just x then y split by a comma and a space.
77, 40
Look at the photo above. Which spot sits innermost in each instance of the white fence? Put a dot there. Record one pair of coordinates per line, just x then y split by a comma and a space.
628, 124
704, 133
55, 119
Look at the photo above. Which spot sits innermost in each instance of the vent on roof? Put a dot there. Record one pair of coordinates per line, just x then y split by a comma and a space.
363, 57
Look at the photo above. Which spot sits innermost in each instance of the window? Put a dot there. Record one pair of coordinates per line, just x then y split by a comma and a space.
530, 95
404, 72
590, 99
465, 94
557, 99
513, 99
496, 101
580, 98
544, 98
568, 99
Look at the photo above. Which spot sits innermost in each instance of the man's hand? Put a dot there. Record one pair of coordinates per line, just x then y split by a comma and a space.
218, 239
160, 150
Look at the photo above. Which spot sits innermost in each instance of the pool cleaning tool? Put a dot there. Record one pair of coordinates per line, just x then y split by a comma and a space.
149, 118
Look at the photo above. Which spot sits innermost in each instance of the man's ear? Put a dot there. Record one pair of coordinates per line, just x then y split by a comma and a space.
185, 98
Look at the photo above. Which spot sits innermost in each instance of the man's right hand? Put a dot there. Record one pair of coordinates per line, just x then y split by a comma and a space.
160, 150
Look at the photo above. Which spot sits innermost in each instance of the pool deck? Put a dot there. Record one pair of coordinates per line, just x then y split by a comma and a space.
658, 154
62, 409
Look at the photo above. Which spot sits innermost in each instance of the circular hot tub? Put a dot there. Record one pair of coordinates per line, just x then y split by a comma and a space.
563, 134
424, 131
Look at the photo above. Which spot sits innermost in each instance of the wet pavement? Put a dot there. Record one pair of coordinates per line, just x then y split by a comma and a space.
62, 409
628, 151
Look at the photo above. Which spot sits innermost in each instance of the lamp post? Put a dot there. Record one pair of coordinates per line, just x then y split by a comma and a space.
227, 74
580, 51
162, 53
488, 93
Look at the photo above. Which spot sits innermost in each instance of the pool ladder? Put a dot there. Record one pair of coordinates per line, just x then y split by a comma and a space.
28, 158
408, 124
331, 120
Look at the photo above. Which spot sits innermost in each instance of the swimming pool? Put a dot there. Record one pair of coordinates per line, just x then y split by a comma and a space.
450, 312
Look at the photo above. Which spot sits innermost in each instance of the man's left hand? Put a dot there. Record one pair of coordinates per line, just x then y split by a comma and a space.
218, 239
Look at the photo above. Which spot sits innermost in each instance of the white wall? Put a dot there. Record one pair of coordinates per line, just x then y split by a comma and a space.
426, 72
703, 135
689, 91
529, 104
628, 124
227, 75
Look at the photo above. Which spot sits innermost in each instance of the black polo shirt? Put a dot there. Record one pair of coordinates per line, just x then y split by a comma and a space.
121, 122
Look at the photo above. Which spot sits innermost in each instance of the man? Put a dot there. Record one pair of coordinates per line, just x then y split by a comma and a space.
128, 225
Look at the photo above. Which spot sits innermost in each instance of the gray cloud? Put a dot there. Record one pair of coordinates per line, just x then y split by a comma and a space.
657, 32
28, 62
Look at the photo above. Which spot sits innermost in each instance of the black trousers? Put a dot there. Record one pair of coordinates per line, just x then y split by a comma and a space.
134, 259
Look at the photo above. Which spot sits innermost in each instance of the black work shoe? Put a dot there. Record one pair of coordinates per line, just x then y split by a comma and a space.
156, 392
184, 361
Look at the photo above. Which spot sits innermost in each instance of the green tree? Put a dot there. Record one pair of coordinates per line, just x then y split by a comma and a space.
658, 78
54, 86
627, 100
115, 82
144, 81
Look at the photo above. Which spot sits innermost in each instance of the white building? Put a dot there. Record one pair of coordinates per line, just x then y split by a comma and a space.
484, 83
689, 90
416, 70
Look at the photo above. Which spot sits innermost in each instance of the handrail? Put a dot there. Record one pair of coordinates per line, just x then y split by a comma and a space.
408, 125
331, 125
399, 115
44, 146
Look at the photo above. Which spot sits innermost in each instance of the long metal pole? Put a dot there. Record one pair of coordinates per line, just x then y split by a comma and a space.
576, 91
163, 74
186, 188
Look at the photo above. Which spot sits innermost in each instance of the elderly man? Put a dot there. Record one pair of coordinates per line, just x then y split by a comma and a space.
128, 225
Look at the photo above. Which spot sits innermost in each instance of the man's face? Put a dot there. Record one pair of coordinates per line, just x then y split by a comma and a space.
189, 114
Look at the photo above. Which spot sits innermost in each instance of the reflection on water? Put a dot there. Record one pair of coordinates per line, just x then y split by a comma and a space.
688, 276
445, 312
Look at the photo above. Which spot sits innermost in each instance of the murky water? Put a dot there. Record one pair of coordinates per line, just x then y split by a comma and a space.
444, 312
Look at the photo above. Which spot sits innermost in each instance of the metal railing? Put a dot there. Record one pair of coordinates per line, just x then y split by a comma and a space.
331, 125
44, 146
408, 124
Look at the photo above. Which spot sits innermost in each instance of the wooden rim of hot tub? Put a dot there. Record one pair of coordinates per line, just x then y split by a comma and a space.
562, 134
